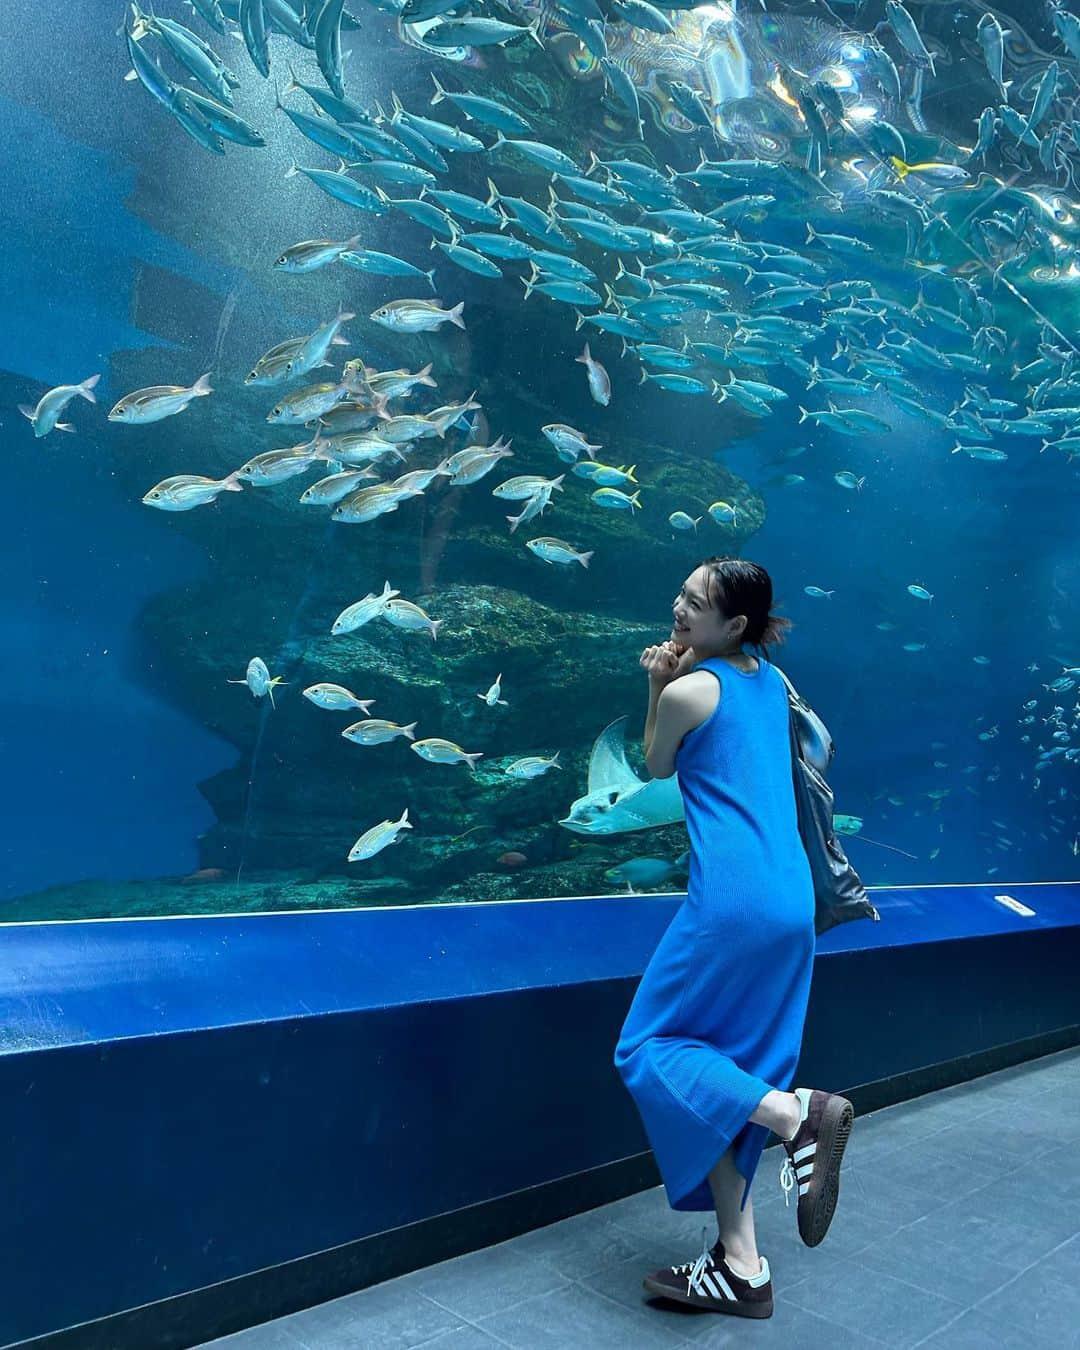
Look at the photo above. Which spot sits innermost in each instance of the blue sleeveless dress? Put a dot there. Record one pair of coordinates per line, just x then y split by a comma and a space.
717, 1020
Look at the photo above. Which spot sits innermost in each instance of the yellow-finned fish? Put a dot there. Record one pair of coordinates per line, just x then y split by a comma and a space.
612, 497
936, 170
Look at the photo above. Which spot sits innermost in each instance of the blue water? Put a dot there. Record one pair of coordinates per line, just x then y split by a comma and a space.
128, 248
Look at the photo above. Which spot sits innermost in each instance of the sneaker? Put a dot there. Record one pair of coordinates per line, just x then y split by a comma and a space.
710, 1283
814, 1154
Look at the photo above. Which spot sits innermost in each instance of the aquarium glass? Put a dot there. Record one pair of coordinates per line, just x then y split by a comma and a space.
372, 377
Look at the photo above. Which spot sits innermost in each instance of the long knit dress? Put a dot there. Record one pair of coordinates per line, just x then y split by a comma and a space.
717, 1020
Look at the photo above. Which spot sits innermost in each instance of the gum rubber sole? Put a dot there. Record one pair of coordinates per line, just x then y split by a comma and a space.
823, 1192
729, 1306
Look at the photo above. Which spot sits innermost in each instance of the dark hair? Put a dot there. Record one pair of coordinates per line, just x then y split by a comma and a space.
736, 586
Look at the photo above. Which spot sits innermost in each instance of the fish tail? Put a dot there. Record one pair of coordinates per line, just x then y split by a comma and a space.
493, 194
527, 282
403, 819
583, 558
408, 731
585, 357
534, 31
901, 168
630, 473
431, 282
440, 92
580, 320
644, 375
436, 624
803, 414
86, 388
201, 386
454, 315
424, 376
476, 754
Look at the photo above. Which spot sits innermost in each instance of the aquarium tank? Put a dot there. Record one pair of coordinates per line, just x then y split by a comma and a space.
373, 374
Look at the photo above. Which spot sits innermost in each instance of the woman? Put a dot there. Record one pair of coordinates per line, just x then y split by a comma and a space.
717, 1020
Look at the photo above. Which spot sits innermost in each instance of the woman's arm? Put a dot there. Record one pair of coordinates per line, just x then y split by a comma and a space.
655, 690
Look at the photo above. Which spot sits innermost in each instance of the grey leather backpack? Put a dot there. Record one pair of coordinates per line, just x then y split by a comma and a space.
839, 893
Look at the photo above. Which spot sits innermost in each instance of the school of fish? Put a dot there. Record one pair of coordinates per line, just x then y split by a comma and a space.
671, 271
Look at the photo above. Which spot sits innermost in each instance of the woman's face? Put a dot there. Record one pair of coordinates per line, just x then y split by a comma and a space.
696, 622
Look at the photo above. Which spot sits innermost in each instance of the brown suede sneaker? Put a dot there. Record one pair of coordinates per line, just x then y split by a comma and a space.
813, 1160
711, 1284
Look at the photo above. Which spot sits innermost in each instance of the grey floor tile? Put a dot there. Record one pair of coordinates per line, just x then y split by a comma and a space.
1038, 1300
957, 1227
486, 1282
974, 1330
464, 1338
268, 1336
792, 1328
576, 1316
960, 1274
864, 1300
990, 1238
579, 1246
383, 1317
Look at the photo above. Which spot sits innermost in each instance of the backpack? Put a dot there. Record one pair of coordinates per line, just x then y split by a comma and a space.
839, 893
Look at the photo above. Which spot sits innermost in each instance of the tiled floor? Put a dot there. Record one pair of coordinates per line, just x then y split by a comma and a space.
958, 1226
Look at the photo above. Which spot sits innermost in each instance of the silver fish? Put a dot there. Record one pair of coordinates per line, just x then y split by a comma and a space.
312, 351
314, 253
45, 415
158, 401
379, 837
185, 491
599, 380
330, 490
363, 611
417, 316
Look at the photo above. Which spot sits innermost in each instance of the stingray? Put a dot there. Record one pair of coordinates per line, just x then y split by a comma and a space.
616, 800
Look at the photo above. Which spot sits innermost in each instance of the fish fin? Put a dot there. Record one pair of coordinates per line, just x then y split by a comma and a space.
583, 558
584, 358
65, 426
534, 31
493, 194
131, 75
455, 314
27, 411
440, 92
580, 319
431, 282
202, 386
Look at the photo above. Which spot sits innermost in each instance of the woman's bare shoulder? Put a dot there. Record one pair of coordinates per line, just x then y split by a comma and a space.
701, 691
